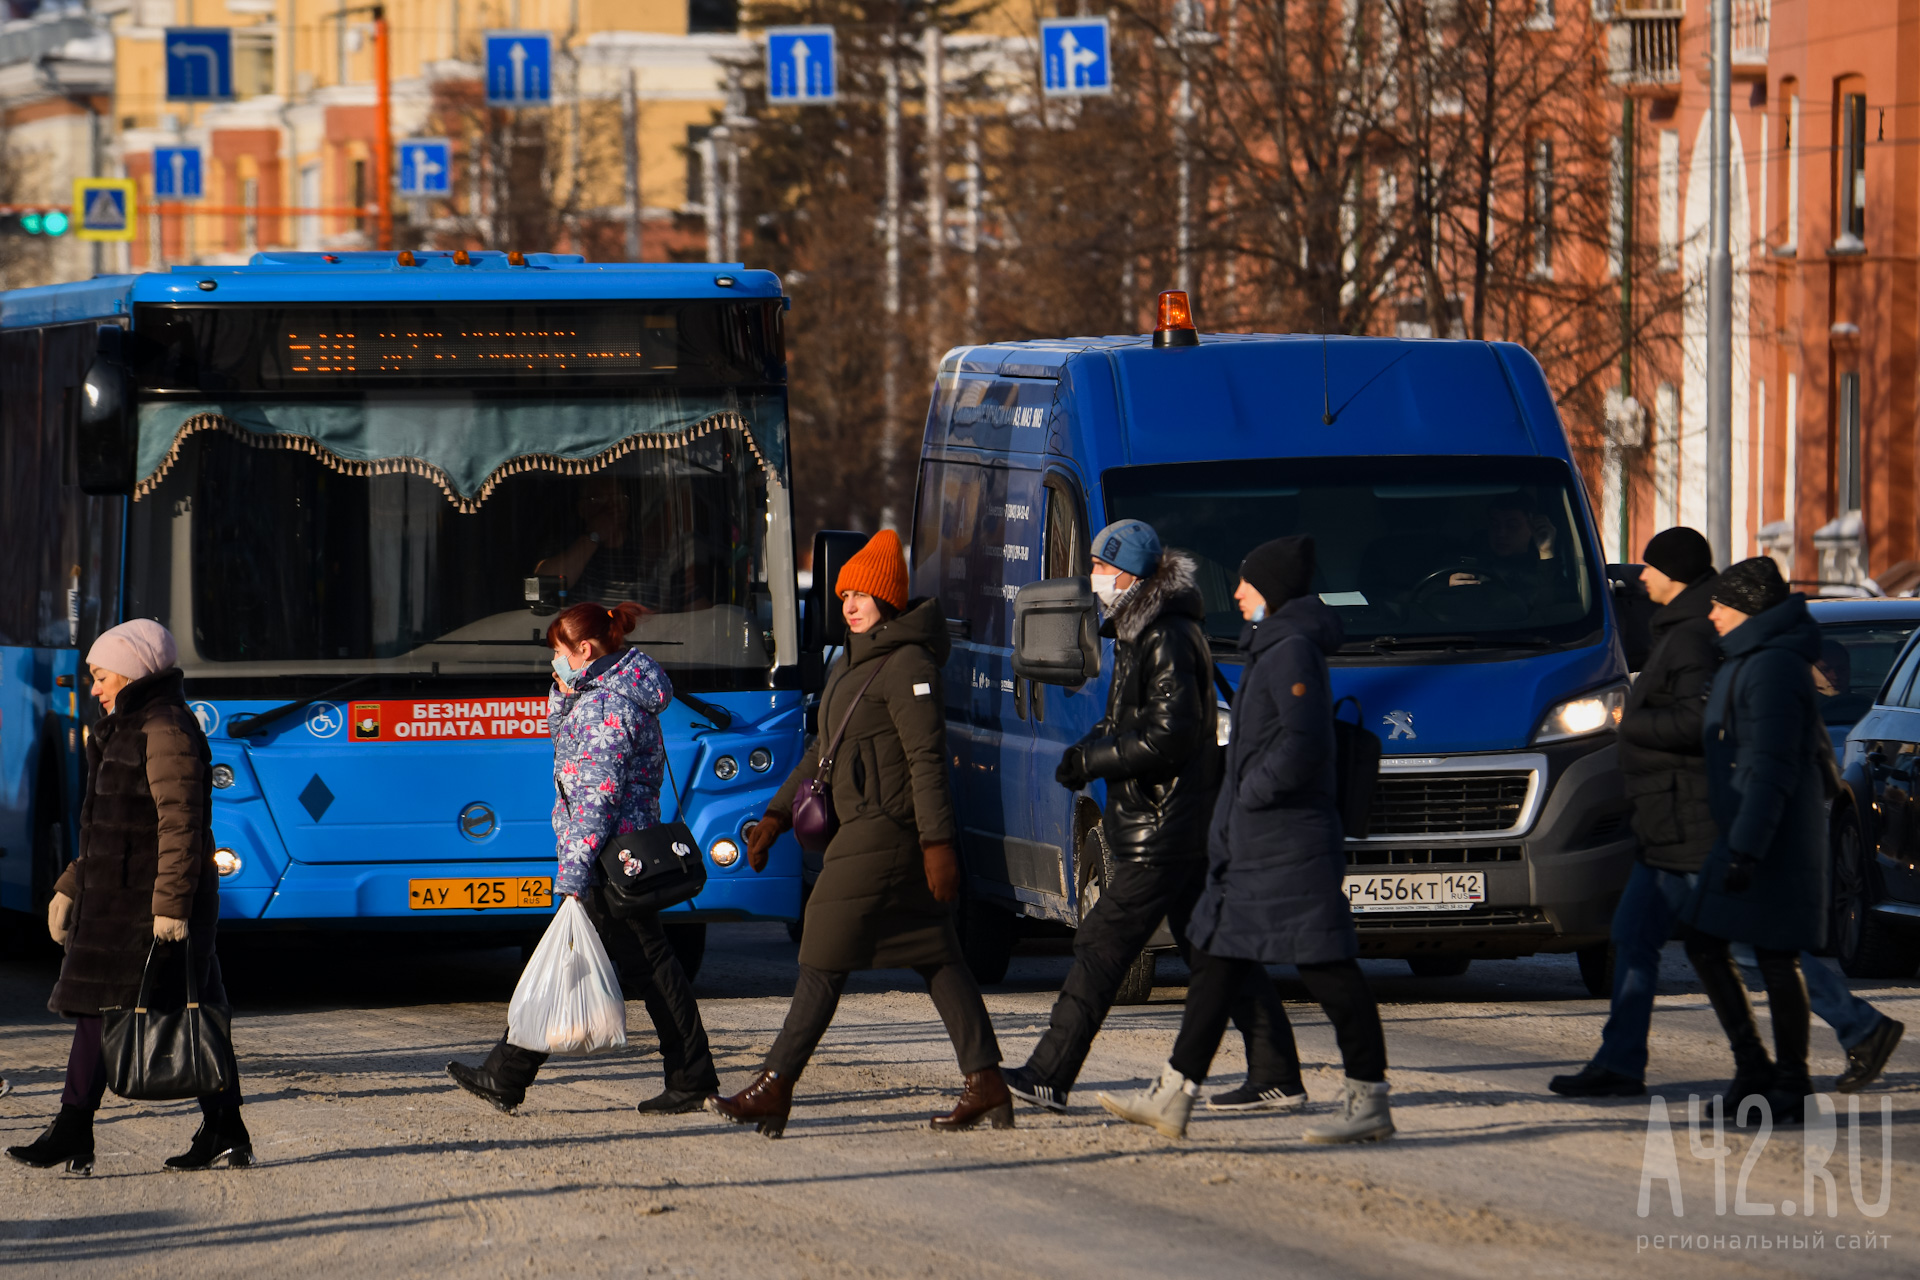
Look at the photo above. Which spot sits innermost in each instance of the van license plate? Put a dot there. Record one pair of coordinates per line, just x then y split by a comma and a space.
480, 895
1452, 891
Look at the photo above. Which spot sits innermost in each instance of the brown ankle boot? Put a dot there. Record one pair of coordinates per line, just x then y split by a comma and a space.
984, 1098
765, 1103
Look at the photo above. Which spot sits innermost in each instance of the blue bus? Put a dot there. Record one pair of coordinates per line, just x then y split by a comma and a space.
1454, 538
356, 487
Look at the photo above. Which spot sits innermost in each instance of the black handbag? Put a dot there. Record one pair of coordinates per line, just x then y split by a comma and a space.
1356, 753
161, 1054
655, 868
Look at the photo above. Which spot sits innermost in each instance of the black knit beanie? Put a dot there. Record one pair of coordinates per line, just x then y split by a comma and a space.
1752, 586
1280, 570
1680, 553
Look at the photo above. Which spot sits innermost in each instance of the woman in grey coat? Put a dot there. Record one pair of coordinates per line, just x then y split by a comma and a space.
1765, 881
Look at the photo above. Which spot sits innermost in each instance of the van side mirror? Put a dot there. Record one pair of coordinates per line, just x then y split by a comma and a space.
106, 423
832, 548
1056, 631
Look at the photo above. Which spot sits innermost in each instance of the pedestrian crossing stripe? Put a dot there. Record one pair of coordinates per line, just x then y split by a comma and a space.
104, 208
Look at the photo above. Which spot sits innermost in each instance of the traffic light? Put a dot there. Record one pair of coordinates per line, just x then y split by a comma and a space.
35, 222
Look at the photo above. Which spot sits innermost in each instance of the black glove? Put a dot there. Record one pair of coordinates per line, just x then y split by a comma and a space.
1739, 877
1072, 773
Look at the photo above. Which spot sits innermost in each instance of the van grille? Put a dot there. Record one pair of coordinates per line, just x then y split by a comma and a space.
1450, 856
1419, 804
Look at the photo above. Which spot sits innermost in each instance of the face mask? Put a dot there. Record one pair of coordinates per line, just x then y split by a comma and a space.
562, 669
1259, 613
1105, 590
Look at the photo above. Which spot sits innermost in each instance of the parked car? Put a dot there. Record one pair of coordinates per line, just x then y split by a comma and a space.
1871, 705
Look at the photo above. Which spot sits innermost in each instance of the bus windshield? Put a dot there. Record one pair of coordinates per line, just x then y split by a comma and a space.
1413, 552
265, 560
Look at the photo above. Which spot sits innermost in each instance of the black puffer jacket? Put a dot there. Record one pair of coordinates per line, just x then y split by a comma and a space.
1158, 746
1661, 755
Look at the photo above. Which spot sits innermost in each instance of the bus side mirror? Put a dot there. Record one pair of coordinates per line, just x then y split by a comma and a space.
106, 424
826, 627
1056, 631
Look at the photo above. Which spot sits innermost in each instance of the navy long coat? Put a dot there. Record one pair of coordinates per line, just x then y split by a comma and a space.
1275, 854
1764, 782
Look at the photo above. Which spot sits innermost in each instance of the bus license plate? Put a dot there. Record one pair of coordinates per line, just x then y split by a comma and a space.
1453, 891
480, 895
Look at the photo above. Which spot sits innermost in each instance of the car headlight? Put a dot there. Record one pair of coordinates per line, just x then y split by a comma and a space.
1222, 723
724, 852
1589, 713
226, 862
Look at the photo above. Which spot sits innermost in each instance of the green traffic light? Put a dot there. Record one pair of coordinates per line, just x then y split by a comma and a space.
54, 223
31, 223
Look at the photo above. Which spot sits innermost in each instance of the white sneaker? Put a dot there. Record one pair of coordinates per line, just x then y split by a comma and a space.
1165, 1105
1365, 1118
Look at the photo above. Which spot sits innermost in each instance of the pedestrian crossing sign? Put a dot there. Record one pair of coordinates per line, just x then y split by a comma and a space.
103, 208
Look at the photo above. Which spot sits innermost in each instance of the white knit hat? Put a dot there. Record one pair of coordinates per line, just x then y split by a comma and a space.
134, 649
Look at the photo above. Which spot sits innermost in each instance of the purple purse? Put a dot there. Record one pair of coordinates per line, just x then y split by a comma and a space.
814, 821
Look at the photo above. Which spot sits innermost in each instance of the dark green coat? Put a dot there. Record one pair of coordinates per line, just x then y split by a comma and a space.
871, 908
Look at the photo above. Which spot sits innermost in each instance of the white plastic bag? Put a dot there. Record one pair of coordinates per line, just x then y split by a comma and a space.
568, 1000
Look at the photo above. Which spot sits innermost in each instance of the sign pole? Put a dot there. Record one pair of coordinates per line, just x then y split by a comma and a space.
382, 133
1720, 299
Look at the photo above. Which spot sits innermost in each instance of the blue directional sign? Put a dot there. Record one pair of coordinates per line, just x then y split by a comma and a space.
176, 173
425, 167
800, 64
199, 64
519, 68
1074, 57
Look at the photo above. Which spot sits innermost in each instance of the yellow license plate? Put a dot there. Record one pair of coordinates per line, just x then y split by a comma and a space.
480, 895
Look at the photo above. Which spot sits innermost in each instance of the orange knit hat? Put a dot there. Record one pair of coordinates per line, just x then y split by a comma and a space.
878, 569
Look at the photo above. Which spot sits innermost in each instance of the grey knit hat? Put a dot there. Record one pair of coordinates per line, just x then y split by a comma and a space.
1752, 586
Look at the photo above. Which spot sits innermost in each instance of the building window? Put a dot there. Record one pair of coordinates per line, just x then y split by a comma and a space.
1669, 200
1847, 482
1540, 207
1793, 171
1616, 206
1853, 170
1541, 18
1666, 455
359, 193
697, 165
712, 16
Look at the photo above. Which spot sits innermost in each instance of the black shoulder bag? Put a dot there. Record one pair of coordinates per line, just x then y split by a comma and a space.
655, 868
158, 1054
1356, 761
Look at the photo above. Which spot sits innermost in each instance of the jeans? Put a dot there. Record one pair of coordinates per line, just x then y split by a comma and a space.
86, 1081
1642, 925
1337, 986
955, 994
1851, 1018
638, 947
1137, 896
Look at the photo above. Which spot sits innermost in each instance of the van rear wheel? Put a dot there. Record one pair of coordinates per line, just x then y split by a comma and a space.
1136, 986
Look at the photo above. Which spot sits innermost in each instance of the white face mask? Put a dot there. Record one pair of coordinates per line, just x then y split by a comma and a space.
1259, 613
1105, 589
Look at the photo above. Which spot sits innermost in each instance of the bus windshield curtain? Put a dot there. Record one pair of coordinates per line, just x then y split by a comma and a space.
464, 446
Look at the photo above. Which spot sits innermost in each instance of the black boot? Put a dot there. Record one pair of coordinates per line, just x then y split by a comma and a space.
68, 1140
1753, 1071
482, 1083
222, 1139
1792, 1013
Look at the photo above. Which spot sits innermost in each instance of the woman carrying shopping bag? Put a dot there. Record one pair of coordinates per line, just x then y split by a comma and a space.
884, 897
609, 762
145, 875
1275, 859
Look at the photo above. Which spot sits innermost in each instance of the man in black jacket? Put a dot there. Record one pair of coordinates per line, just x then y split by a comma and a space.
1158, 751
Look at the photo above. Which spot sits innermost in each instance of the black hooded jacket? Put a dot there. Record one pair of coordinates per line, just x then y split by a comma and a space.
1158, 746
1661, 754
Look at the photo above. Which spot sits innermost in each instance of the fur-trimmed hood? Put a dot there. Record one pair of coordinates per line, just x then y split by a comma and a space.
1171, 589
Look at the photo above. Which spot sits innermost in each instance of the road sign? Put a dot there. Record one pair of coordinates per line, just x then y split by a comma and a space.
199, 64
176, 173
800, 64
103, 208
1074, 57
519, 68
425, 167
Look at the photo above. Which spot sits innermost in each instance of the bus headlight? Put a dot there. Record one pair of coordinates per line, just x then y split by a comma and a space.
760, 760
1222, 724
724, 852
725, 768
1578, 717
222, 776
226, 862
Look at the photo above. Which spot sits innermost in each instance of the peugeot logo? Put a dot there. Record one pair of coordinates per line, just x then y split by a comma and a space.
1401, 722
477, 821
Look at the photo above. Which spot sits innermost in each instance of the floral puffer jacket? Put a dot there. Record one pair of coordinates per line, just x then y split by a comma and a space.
608, 759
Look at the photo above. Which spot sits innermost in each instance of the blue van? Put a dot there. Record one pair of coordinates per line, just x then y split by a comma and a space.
1454, 539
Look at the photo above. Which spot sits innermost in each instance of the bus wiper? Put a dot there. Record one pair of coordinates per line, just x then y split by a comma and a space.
251, 726
721, 717
1388, 644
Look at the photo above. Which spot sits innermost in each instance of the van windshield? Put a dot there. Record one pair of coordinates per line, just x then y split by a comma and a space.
1413, 552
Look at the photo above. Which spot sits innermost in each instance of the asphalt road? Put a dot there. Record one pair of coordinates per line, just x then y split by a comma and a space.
372, 1164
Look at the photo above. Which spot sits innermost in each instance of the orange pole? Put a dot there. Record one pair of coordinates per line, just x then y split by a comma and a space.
382, 133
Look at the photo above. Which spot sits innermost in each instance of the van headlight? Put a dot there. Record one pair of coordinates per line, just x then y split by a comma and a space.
1589, 713
1222, 723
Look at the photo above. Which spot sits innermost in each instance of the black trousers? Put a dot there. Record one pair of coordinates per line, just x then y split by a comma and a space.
86, 1060
1787, 1000
1136, 897
1338, 987
638, 947
955, 994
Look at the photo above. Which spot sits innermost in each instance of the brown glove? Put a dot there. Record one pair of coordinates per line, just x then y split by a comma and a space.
762, 834
169, 929
942, 865
59, 918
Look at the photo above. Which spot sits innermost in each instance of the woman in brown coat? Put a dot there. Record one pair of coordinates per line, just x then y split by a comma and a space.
884, 897
145, 874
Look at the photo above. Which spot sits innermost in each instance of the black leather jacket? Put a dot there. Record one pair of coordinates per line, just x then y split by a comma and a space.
1158, 746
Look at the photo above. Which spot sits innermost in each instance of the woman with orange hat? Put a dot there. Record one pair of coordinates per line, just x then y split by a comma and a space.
891, 875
